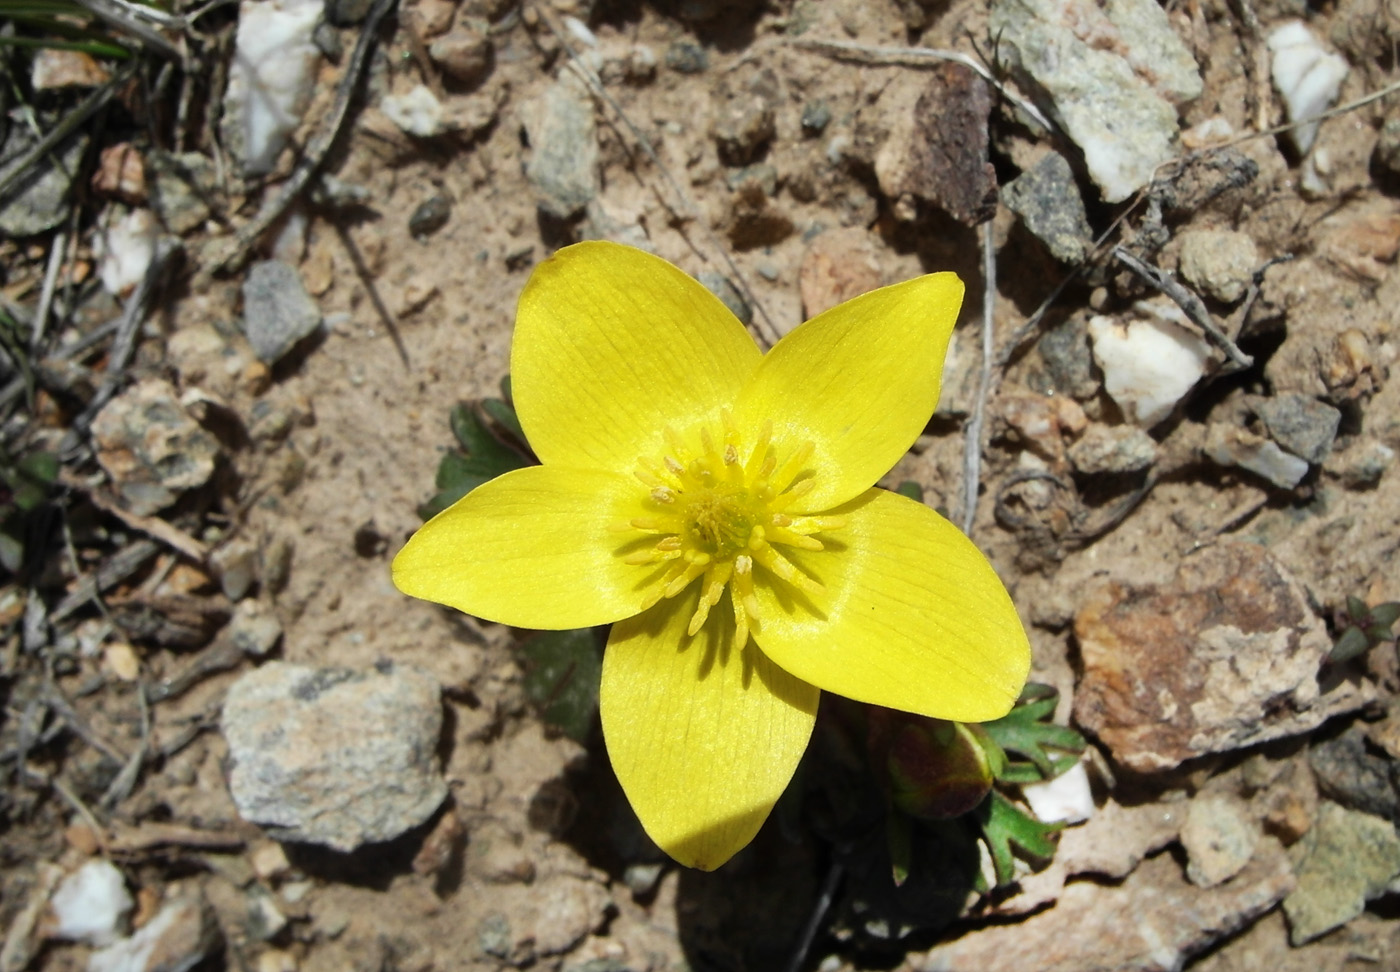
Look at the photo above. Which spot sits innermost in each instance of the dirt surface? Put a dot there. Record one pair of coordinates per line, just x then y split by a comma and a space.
324, 457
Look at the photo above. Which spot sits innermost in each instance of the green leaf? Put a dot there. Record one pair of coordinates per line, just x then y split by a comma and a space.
562, 672
911, 489
1385, 615
1353, 642
1009, 832
40, 466
1356, 608
1028, 731
485, 458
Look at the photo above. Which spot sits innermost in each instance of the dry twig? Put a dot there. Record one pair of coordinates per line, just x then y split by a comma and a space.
316, 151
922, 57
1237, 360
972, 447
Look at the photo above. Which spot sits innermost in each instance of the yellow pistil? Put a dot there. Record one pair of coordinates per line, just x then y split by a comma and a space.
721, 518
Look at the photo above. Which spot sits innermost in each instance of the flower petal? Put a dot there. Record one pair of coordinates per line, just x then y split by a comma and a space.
860, 381
911, 617
704, 738
612, 345
531, 548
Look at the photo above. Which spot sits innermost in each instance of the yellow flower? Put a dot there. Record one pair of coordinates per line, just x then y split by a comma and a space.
680, 463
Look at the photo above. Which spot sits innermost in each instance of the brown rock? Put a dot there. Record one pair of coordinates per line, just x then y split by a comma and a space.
1225, 657
432, 17
121, 173
464, 53
744, 118
54, 68
936, 149
837, 266
1154, 921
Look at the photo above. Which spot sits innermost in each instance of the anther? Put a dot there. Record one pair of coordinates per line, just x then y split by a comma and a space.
731, 455
663, 494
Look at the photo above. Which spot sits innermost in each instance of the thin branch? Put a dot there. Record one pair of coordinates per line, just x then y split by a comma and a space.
921, 57
125, 344
152, 526
972, 445
125, 17
41, 314
316, 150
818, 915
1191, 304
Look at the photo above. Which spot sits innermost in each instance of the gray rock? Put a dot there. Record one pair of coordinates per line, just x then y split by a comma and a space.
39, 200
1347, 859
721, 286
1047, 199
1220, 836
761, 174
151, 448
1113, 449
181, 935
254, 629
1068, 359
1103, 93
235, 564
744, 117
277, 311
334, 756
430, 215
1228, 445
563, 134
1301, 424
1219, 262
687, 57
1348, 772
816, 115
179, 185
493, 936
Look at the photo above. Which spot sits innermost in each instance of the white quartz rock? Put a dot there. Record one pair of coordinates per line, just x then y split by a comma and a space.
125, 250
1148, 364
90, 904
1065, 799
419, 113
272, 75
1307, 75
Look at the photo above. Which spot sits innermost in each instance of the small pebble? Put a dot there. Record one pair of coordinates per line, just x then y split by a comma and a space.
430, 216
687, 57
815, 117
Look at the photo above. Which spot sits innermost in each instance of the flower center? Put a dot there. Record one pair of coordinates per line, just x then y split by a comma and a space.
719, 512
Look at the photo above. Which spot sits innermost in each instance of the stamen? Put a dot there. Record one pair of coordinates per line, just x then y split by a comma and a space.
719, 504
682, 581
